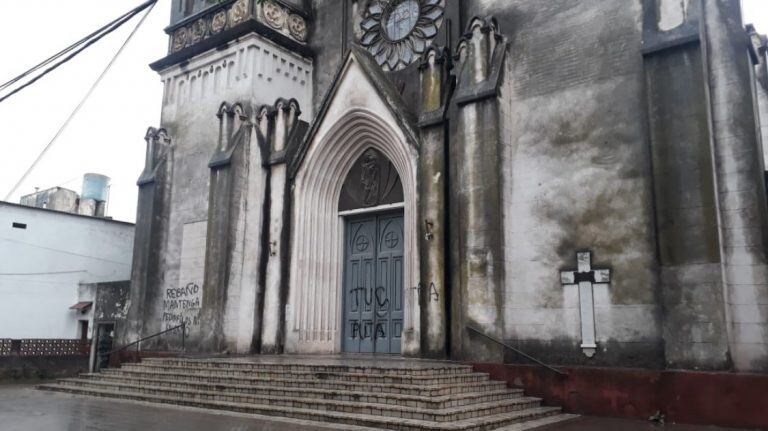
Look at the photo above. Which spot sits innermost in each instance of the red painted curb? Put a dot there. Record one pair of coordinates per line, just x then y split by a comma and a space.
690, 397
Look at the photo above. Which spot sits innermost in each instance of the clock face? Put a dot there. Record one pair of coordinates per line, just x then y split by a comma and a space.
396, 32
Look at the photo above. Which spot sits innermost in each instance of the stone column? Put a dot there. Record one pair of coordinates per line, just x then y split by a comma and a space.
435, 86
286, 115
687, 233
149, 242
743, 213
226, 165
476, 191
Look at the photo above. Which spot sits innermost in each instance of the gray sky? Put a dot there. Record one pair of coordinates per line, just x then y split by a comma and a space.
107, 135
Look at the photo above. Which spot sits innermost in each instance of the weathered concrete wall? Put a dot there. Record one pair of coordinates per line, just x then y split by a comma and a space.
149, 253
15, 369
110, 301
475, 190
739, 171
328, 46
761, 88
695, 331
433, 205
57, 198
576, 168
42, 266
251, 70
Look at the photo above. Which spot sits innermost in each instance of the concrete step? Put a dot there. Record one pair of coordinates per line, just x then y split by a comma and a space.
484, 423
430, 368
358, 407
403, 389
425, 402
422, 380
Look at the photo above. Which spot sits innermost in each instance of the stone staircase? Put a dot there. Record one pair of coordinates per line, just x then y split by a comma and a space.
405, 395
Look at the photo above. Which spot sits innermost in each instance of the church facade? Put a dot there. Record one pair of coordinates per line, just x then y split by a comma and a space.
581, 180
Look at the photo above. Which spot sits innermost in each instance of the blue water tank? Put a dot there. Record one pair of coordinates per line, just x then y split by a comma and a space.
96, 187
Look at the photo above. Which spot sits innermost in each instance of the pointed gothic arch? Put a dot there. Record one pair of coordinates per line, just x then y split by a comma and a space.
316, 271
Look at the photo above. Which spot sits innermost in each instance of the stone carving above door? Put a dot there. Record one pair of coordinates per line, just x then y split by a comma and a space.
371, 182
397, 32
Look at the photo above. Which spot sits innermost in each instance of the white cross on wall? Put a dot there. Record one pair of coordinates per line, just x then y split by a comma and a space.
585, 277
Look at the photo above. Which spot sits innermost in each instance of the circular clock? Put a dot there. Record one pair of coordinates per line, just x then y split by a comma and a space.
396, 32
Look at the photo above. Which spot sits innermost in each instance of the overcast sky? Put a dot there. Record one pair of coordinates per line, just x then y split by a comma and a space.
107, 135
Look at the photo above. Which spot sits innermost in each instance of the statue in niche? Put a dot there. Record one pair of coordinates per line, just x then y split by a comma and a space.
370, 178
372, 181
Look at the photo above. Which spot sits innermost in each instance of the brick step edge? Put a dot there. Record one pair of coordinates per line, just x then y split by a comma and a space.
459, 378
436, 415
448, 369
486, 423
398, 386
328, 394
388, 388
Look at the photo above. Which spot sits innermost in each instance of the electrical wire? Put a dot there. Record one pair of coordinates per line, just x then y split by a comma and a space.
3, 274
76, 44
151, 6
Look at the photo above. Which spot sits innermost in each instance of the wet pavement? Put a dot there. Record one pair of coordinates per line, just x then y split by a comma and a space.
610, 424
22, 408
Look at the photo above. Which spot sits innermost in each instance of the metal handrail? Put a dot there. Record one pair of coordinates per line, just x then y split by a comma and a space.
518, 351
183, 327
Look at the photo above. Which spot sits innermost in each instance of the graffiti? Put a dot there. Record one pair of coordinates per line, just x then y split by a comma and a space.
182, 302
382, 301
432, 293
170, 320
361, 331
182, 305
367, 299
381, 331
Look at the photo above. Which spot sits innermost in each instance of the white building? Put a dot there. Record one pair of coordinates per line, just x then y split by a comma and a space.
46, 258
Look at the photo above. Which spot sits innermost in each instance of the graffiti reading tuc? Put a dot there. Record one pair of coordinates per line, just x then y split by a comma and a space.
365, 296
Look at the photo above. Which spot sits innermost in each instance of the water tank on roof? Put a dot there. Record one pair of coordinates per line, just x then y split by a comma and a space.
96, 187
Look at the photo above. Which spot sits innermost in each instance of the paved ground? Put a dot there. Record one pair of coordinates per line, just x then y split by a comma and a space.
23, 408
600, 424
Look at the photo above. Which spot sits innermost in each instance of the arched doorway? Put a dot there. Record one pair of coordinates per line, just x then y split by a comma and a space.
372, 319
315, 307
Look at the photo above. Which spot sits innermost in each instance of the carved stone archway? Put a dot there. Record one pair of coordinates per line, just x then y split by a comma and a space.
316, 271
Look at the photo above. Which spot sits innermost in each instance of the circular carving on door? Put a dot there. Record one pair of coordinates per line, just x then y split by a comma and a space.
362, 243
391, 239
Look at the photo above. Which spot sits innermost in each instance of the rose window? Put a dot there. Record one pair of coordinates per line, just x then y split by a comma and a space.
396, 32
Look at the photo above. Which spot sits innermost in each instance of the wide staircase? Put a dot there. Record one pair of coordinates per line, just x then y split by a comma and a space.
384, 394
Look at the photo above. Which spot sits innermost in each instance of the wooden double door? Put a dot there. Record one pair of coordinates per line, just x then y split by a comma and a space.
373, 284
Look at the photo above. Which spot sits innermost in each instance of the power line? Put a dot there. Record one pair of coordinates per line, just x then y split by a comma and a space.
88, 41
151, 6
109, 26
2, 274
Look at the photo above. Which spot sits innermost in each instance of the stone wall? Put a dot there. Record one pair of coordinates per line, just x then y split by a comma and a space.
14, 369
575, 168
251, 70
